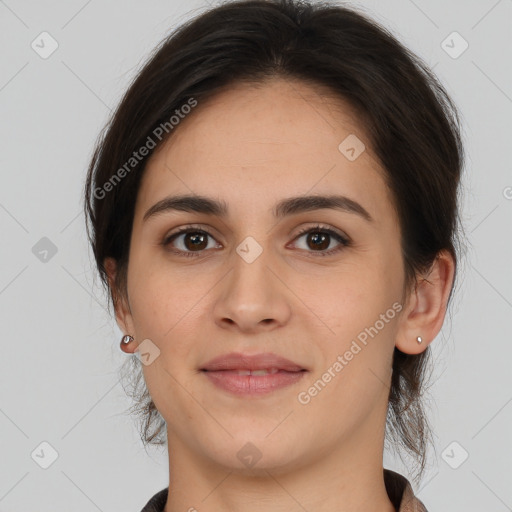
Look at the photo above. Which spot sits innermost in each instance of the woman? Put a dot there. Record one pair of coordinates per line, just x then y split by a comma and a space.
273, 208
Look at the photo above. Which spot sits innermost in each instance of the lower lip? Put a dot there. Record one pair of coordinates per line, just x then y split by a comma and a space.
253, 385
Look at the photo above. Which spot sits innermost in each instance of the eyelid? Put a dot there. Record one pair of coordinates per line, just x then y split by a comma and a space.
204, 228
324, 228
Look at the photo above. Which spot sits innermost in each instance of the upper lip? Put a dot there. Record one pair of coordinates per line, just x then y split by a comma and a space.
239, 361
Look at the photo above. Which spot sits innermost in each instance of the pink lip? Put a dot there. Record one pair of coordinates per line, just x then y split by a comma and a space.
223, 372
238, 361
250, 385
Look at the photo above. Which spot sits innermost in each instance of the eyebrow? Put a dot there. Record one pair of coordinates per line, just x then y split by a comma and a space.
291, 206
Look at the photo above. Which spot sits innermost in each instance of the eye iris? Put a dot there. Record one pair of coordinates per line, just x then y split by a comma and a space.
197, 239
319, 237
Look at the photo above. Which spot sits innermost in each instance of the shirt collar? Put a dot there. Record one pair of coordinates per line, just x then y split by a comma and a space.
401, 494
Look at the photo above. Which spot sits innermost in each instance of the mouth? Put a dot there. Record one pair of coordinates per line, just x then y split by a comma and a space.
252, 375
252, 382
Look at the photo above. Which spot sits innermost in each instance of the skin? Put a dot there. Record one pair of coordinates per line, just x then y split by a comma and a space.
252, 147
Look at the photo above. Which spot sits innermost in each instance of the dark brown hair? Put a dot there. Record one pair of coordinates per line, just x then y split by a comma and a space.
411, 122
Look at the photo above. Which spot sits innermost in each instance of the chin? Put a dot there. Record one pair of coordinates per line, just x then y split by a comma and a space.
256, 455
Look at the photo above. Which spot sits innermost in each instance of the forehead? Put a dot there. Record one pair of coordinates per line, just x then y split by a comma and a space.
272, 120
270, 140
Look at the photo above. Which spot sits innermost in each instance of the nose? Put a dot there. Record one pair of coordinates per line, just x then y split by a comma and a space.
252, 298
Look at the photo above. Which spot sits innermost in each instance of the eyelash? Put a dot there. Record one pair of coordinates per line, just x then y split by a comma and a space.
344, 242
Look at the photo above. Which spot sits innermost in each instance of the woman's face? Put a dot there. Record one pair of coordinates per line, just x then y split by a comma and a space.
248, 282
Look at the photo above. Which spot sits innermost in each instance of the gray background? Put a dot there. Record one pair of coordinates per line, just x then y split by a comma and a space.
59, 379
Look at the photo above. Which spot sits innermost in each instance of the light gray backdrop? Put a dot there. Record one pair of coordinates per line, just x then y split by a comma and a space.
60, 350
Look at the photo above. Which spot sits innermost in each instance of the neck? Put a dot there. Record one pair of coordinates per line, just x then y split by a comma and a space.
347, 479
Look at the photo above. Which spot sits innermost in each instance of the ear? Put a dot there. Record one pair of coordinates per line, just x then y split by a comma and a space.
122, 307
426, 306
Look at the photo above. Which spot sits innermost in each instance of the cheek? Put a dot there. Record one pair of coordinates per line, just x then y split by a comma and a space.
354, 298
361, 308
361, 312
161, 293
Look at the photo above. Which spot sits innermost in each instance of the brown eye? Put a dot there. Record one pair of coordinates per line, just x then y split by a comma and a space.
318, 239
188, 241
193, 242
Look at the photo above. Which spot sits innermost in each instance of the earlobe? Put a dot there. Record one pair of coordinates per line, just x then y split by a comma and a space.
424, 316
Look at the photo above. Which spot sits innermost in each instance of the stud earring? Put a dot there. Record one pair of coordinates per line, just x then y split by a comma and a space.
419, 339
126, 339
